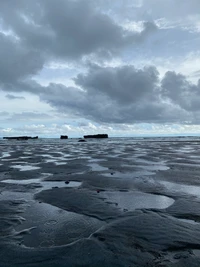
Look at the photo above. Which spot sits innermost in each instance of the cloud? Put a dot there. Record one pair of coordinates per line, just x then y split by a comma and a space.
29, 116
127, 95
3, 113
170, 8
17, 61
180, 91
56, 130
66, 28
196, 74
13, 97
92, 34
123, 84
36, 33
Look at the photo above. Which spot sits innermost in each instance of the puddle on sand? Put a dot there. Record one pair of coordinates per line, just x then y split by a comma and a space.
28, 181
155, 168
151, 165
44, 184
95, 160
128, 175
25, 167
131, 200
57, 160
196, 252
96, 167
188, 189
60, 163
27, 153
5, 155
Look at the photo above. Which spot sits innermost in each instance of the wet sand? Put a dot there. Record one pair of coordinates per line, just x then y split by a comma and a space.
115, 202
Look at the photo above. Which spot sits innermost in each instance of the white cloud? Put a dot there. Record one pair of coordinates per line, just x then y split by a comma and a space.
136, 26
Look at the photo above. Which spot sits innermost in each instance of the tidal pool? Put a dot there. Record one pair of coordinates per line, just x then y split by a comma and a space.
132, 200
45, 185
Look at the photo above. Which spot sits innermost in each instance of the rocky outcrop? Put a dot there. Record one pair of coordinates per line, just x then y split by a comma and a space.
20, 137
96, 136
64, 137
35, 137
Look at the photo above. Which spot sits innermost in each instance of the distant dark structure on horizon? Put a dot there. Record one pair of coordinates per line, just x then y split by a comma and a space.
20, 137
64, 137
96, 136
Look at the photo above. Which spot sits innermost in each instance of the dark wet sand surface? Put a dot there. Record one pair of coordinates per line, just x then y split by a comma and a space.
115, 202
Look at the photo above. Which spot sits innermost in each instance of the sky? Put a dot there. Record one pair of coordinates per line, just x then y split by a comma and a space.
121, 67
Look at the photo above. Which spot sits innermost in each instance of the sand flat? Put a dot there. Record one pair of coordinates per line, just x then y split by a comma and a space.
116, 202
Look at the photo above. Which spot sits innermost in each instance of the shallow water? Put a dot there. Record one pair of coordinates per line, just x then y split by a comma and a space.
129, 201
44, 184
25, 167
5, 155
183, 188
97, 167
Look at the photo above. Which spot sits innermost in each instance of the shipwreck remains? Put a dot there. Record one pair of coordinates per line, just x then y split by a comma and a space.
64, 137
96, 136
20, 137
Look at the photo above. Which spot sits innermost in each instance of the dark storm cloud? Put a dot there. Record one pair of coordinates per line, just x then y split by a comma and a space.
180, 91
124, 84
38, 32
126, 95
81, 31
65, 28
17, 61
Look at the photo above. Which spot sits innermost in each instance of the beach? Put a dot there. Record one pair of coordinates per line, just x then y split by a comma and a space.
114, 202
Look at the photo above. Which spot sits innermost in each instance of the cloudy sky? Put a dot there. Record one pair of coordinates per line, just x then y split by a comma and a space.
122, 67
